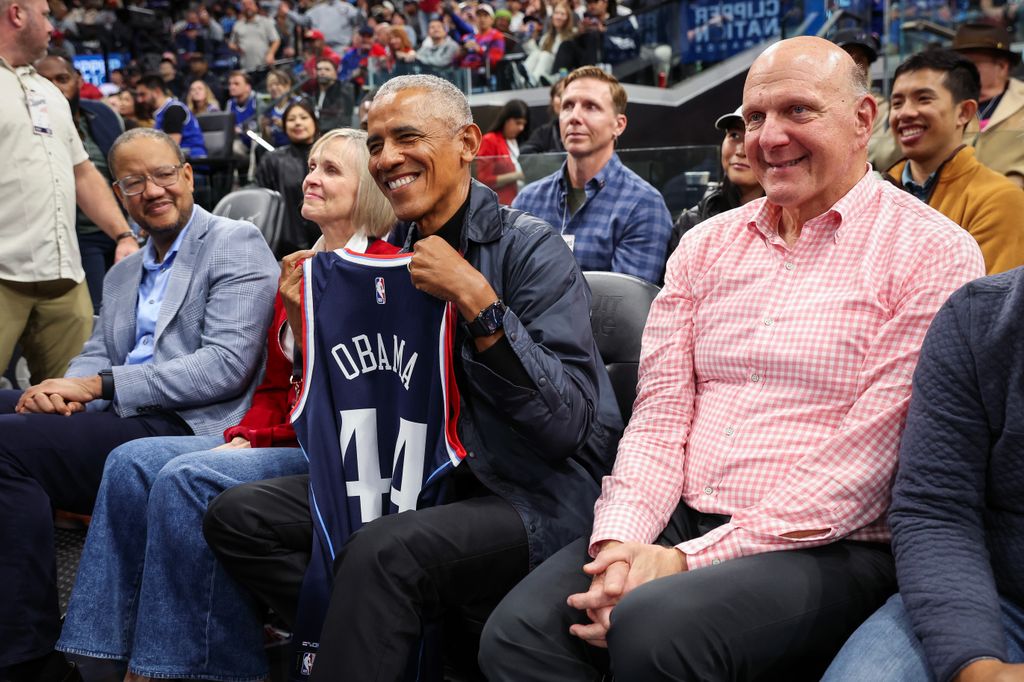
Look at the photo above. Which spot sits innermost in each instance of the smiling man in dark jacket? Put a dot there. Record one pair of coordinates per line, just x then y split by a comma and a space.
537, 418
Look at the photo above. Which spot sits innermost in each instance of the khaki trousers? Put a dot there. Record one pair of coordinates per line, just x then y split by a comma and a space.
52, 321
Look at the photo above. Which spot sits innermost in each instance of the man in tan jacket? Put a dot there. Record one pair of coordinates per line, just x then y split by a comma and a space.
934, 98
998, 134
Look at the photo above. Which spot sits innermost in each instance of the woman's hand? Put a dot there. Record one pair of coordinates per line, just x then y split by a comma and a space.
235, 443
290, 287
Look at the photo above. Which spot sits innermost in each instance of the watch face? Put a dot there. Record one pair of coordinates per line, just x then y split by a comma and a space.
489, 320
492, 318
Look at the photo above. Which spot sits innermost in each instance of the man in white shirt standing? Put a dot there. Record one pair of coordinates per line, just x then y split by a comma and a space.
44, 301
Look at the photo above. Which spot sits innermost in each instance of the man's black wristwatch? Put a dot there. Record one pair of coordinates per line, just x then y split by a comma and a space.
489, 321
107, 384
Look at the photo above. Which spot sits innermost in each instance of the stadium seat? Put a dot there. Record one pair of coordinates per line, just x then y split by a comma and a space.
219, 163
618, 313
260, 206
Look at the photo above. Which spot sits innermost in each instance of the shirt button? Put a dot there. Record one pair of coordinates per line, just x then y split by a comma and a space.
542, 381
151, 301
715, 562
790, 266
755, 378
729, 431
708, 490
768, 321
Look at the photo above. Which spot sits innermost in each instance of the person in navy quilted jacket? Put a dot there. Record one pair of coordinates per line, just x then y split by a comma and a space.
958, 504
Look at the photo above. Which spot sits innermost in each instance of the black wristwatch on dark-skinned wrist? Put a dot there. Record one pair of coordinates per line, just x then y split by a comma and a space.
107, 384
489, 321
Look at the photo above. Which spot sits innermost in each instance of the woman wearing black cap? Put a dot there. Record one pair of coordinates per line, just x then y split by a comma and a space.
738, 186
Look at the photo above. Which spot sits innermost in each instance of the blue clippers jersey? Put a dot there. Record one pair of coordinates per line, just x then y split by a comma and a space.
376, 415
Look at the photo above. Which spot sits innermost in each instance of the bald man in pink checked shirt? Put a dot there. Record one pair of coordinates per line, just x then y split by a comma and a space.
741, 534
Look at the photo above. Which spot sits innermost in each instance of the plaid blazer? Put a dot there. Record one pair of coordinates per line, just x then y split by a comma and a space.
209, 340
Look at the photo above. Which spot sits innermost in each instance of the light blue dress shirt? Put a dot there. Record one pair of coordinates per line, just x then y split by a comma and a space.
152, 288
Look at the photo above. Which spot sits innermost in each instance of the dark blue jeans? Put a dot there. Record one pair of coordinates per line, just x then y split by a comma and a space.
49, 461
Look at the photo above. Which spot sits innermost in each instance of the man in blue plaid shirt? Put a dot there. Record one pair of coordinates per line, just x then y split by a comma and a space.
608, 215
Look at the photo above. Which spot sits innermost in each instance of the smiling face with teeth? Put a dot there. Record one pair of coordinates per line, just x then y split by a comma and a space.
808, 118
161, 211
927, 124
419, 162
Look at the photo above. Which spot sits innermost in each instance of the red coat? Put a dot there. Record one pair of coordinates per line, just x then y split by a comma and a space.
492, 160
266, 423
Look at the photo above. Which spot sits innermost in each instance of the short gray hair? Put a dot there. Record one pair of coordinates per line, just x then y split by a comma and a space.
449, 104
136, 133
858, 80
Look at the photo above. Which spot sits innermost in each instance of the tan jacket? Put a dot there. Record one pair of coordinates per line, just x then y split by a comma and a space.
1001, 145
883, 151
982, 202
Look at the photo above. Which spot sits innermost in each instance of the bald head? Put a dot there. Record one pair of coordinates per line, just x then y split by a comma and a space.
808, 117
834, 65
24, 30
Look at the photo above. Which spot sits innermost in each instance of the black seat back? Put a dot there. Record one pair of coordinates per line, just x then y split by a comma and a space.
260, 206
218, 133
618, 313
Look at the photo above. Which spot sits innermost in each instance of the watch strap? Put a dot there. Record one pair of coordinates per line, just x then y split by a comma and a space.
107, 384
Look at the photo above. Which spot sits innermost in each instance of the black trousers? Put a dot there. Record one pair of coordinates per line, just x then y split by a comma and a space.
49, 461
392, 577
774, 616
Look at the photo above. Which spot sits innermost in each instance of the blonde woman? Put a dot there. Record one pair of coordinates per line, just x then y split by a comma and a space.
541, 52
201, 99
149, 591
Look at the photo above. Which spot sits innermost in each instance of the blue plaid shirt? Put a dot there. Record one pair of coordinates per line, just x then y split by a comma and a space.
623, 225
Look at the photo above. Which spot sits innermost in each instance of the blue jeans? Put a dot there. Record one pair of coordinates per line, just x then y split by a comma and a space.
149, 590
884, 648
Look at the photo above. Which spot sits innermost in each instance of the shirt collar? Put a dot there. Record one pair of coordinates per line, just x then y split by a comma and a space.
766, 219
149, 252
451, 231
598, 182
922, 190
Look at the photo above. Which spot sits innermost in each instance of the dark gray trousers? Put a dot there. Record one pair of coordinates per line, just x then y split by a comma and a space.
775, 616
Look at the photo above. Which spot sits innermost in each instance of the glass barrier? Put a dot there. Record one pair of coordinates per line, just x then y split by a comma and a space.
681, 174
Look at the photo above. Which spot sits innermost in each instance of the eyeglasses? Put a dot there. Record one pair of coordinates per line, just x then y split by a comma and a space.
164, 176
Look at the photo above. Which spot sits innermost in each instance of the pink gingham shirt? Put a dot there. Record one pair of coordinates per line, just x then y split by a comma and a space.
774, 380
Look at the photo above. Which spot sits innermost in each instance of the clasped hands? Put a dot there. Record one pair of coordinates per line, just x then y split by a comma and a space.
64, 396
619, 568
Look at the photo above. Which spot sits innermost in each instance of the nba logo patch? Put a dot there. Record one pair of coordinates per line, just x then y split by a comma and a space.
307, 663
378, 286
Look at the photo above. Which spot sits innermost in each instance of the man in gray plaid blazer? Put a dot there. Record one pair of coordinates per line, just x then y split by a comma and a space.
177, 351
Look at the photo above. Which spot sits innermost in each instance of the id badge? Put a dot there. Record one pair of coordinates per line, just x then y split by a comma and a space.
570, 241
40, 113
